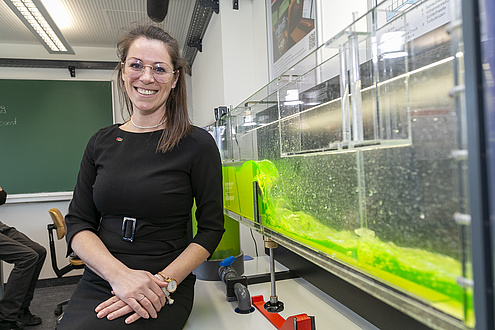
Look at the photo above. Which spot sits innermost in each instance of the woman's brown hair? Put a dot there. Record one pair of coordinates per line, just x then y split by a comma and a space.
178, 123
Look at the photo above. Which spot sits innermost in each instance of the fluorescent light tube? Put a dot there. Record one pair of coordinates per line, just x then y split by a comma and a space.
37, 19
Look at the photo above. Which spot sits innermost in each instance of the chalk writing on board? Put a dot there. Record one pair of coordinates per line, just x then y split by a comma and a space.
8, 122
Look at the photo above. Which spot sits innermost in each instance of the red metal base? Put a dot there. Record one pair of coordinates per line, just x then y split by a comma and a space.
299, 322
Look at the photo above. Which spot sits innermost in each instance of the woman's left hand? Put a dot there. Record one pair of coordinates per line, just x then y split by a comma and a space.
116, 307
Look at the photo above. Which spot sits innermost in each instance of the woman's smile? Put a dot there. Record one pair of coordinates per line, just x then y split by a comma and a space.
144, 91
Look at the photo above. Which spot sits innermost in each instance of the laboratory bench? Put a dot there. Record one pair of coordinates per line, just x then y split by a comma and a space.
211, 309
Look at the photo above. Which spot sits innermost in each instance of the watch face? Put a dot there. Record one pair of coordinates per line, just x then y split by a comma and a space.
172, 286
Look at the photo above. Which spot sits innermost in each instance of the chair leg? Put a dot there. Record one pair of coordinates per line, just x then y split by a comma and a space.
59, 318
59, 310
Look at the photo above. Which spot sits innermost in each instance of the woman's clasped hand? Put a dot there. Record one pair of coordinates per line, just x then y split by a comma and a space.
144, 300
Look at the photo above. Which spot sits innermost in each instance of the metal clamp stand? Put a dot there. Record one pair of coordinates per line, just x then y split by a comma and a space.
271, 308
273, 305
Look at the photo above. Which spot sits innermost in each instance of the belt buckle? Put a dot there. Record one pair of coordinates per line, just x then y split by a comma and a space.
128, 229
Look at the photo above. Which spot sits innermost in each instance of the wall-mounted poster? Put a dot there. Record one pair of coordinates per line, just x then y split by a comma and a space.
293, 32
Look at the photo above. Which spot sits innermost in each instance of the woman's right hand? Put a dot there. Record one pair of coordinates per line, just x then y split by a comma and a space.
114, 308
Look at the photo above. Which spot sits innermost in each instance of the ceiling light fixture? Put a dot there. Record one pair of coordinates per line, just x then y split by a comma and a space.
37, 19
59, 13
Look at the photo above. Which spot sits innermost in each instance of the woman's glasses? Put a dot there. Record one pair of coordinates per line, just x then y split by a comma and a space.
135, 68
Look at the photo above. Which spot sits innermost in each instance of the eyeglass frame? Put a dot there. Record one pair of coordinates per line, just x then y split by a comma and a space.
173, 72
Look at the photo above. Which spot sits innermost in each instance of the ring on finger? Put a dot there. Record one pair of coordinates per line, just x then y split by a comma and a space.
142, 297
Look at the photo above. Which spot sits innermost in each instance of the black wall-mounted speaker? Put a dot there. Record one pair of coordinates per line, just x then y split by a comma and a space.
157, 9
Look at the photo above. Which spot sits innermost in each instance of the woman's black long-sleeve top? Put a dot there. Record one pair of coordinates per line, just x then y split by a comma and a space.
123, 176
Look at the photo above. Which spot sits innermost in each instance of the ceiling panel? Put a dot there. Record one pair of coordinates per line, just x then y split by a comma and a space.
99, 23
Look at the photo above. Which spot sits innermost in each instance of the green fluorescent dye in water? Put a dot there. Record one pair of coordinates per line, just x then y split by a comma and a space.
427, 275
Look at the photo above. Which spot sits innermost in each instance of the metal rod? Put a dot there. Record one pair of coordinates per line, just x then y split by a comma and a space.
273, 296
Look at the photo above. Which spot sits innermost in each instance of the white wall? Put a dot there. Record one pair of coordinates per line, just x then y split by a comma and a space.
245, 50
233, 64
207, 76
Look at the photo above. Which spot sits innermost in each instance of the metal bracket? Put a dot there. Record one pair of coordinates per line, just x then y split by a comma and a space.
196, 44
213, 4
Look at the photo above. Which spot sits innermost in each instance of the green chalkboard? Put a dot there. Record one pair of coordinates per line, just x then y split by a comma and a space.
44, 128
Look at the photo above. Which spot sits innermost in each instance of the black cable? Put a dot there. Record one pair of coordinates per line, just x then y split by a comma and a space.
254, 240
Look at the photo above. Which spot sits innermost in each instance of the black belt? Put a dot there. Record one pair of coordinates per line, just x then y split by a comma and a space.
133, 232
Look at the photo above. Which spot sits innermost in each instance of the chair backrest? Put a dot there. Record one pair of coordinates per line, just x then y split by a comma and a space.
58, 221
59, 226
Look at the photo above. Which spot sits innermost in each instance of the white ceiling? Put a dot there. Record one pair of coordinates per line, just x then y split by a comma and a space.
98, 23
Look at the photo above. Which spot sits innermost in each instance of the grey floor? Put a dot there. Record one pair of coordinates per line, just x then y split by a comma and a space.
45, 301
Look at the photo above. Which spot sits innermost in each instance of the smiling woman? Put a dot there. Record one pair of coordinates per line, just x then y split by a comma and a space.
131, 210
